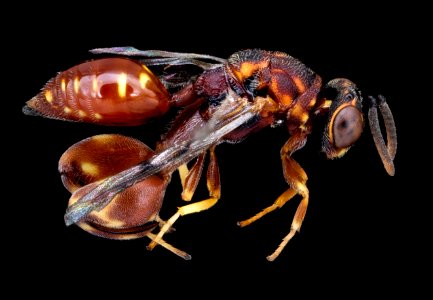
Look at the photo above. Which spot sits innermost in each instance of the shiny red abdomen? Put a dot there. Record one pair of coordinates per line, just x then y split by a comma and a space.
110, 91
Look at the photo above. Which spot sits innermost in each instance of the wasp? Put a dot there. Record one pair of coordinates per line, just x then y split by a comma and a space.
118, 183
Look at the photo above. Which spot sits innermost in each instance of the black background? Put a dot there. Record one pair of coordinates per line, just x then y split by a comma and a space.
358, 221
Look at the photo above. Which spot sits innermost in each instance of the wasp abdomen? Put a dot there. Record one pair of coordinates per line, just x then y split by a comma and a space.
133, 212
110, 91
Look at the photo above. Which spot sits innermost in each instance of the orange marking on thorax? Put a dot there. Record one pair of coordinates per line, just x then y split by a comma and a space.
269, 106
248, 68
312, 103
284, 98
299, 84
300, 113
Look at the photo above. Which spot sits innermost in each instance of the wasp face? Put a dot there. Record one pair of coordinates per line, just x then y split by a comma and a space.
345, 121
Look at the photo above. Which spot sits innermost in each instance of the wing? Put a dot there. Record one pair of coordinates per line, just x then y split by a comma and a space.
157, 57
174, 69
232, 113
119, 91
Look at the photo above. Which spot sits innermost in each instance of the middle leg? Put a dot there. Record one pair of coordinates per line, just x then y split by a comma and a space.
214, 187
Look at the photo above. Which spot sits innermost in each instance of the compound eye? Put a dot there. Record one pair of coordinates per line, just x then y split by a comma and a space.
347, 127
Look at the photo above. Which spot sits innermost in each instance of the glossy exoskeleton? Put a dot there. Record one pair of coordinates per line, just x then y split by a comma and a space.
118, 183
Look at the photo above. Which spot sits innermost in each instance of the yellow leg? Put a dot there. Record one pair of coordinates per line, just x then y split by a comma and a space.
296, 177
213, 184
213, 176
192, 178
295, 227
183, 172
162, 222
286, 196
184, 210
169, 247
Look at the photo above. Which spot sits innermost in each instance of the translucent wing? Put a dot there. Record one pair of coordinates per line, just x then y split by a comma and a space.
232, 113
157, 57
174, 69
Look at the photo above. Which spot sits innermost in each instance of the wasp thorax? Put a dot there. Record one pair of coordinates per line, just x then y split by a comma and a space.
132, 212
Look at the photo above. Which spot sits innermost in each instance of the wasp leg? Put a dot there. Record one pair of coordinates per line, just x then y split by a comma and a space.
169, 247
281, 200
162, 222
289, 165
214, 187
296, 177
183, 172
191, 180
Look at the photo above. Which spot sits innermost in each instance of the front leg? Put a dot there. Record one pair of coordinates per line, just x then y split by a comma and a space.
296, 177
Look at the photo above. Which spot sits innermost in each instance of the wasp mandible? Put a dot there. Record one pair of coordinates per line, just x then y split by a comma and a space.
118, 183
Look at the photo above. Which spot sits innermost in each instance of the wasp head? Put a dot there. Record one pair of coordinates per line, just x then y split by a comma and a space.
345, 120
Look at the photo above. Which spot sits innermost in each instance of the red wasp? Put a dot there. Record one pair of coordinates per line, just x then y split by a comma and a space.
118, 183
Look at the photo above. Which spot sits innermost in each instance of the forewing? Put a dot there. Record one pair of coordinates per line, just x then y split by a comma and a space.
232, 113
